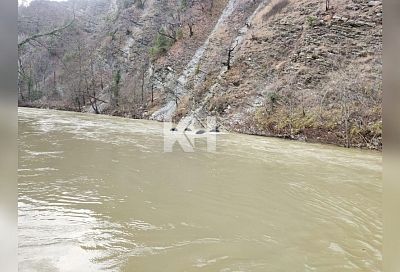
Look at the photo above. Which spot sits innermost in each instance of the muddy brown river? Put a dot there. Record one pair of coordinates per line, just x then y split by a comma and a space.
98, 193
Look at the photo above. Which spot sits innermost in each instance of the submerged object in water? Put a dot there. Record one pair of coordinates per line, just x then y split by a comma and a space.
216, 129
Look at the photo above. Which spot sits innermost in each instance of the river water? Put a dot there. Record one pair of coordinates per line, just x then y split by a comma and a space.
98, 193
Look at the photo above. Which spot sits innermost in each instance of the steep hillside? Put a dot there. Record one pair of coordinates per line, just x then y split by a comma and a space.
103, 62
282, 68
303, 73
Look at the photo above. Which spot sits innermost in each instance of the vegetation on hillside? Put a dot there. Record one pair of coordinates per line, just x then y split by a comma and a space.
308, 69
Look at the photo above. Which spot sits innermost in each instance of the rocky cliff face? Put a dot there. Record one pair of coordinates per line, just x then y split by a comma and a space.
268, 67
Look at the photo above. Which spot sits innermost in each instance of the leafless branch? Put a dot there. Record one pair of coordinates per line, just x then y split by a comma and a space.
54, 32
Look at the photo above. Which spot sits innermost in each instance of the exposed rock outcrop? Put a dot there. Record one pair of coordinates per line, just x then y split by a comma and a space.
296, 70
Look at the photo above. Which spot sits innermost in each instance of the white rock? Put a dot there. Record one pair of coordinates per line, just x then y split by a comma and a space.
374, 3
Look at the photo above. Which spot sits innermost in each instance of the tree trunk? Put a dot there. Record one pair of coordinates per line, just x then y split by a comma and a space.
346, 127
54, 83
36, 87
30, 84
190, 29
346, 124
152, 94
228, 64
29, 90
143, 76
78, 102
20, 91
230, 50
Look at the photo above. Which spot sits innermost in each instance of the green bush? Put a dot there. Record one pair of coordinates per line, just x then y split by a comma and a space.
69, 56
311, 20
197, 71
36, 95
273, 98
184, 4
179, 34
161, 45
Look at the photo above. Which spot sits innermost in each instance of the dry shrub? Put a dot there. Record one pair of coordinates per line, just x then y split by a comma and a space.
183, 108
220, 103
205, 88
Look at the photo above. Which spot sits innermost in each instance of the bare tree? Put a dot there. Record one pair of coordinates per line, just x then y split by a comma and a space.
190, 25
140, 3
116, 87
143, 77
327, 5
53, 32
230, 50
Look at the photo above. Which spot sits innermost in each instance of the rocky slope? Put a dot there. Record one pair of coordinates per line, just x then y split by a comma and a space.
296, 70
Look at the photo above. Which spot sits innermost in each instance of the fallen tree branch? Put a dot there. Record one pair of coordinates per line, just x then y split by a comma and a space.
97, 99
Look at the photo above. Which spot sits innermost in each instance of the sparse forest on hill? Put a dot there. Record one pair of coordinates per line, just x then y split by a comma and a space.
309, 70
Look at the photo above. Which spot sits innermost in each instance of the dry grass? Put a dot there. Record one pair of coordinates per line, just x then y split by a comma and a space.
183, 108
276, 8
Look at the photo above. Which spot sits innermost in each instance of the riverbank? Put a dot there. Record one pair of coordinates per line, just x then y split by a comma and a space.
249, 127
288, 69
